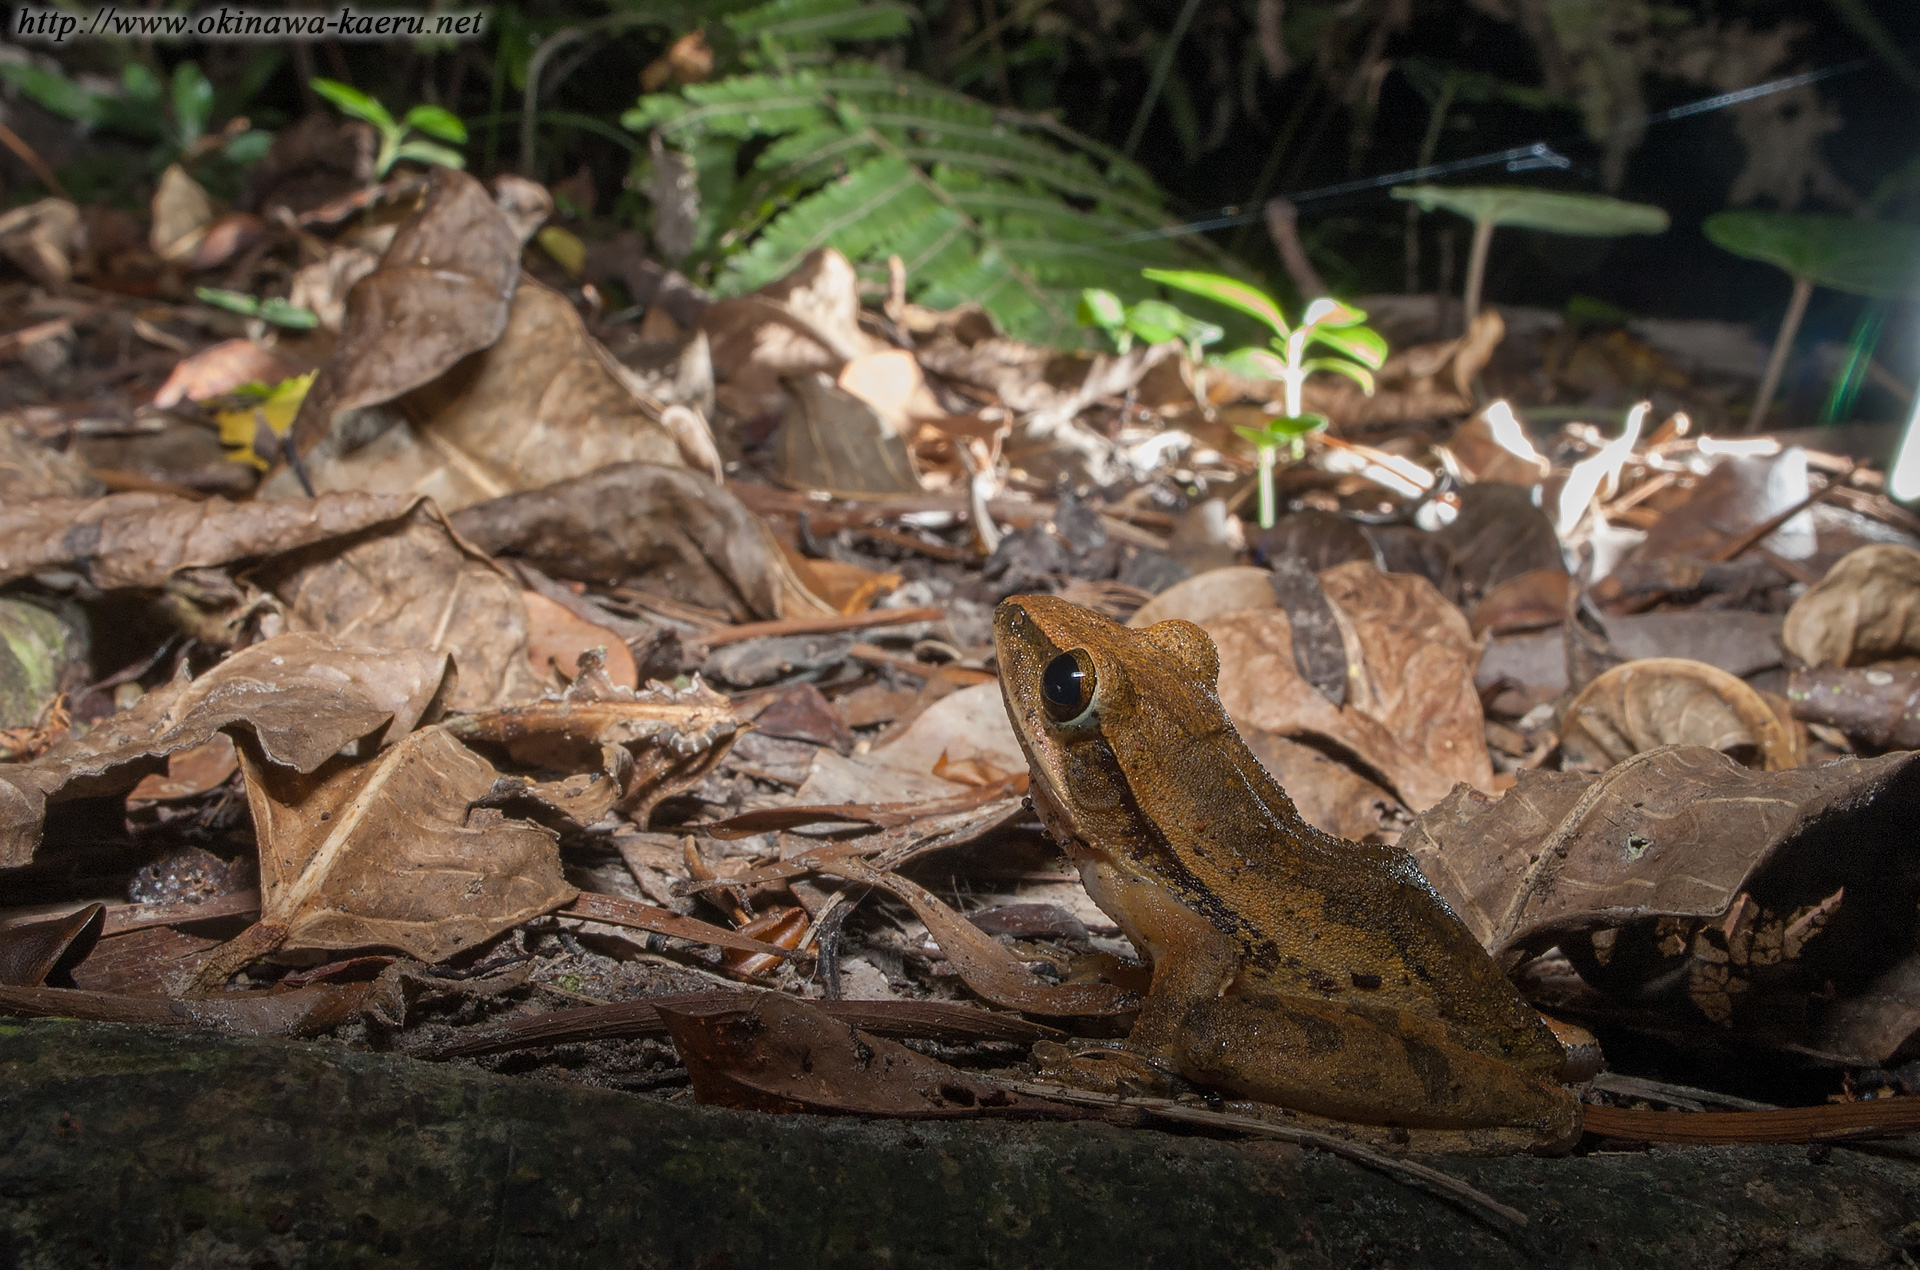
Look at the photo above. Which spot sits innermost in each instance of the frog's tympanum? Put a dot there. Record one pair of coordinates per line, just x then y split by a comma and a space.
1289, 966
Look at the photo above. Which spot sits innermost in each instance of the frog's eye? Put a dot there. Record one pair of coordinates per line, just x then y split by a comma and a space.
1067, 685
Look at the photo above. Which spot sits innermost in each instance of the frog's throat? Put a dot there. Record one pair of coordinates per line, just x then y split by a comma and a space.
1058, 822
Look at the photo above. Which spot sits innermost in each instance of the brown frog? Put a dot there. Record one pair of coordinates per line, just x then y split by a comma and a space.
1289, 966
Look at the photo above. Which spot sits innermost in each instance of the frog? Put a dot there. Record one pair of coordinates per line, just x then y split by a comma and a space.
1289, 967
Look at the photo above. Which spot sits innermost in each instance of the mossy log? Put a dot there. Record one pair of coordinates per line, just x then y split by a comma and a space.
123, 1146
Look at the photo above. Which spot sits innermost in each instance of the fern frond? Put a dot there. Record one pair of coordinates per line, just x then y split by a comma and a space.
808, 23
980, 204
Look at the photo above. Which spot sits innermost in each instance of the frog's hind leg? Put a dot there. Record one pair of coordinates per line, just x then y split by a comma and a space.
1362, 1063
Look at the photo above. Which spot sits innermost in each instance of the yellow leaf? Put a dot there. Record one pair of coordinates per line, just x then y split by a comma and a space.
565, 248
278, 406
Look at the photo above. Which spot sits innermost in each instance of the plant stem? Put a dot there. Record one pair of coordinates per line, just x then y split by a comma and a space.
1266, 453
1477, 268
1436, 120
1159, 80
1782, 345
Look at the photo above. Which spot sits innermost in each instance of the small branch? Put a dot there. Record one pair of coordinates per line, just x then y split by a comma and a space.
1782, 345
1477, 268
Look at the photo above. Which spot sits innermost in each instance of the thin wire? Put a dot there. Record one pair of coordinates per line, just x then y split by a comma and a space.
1540, 154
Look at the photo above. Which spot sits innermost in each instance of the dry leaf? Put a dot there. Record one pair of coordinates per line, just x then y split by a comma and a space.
1412, 714
1643, 705
638, 747
393, 853
786, 1056
1879, 705
37, 952
1697, 891
181, 214
556, 639
1866, 609
219, 369
142, 540
40, 239
412, 583
29, 471
1525, 602
322, 287
835, 441
1205, 596
1328, 794
441, 292
661, 528
302, 697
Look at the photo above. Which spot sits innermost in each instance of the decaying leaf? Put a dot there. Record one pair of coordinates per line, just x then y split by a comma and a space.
1866, 609
1328, 794
1774, 903
141, 540
1879, 705
40, 239
1411, 715
557, 638
1642, 705
784, 1055
636, 748
181, 214
33, 471
544, 402
838, 442
663, 528
36, 952
392, 852
412, 583
303, 699
441, 292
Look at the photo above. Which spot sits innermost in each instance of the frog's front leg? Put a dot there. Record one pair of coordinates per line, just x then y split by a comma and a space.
1366, 1064
1192, 962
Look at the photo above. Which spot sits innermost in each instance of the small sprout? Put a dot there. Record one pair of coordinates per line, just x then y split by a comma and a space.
1327, 322
434, 121
273, 309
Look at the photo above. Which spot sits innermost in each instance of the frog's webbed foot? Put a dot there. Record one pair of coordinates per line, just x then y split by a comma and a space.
1108, 1067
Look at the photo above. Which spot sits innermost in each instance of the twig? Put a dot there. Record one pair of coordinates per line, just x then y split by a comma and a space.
1733, 549
31, 157
819, 625
1451, 1187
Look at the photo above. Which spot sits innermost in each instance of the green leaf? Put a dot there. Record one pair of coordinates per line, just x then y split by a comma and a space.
1102, 308
428, 152
803, 24
1250, 363
1362, 343
1223, 290
1341, 366
232, 301
1329, 312
1283, 428
283, 313
1551, 211
1872, 258
436, 121
56, 92
1156, 321
250, 146
352, 101
192, 102
142, 88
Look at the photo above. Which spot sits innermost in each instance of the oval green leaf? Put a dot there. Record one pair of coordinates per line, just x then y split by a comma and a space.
1872, 258
1550, 211
1102, 308
1362, 343
437, 121
1224, 290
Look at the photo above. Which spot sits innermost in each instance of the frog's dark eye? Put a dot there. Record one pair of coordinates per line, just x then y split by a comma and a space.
1067, 685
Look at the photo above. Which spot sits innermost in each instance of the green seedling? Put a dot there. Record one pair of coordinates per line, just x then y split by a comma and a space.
1359, 351
1550, 211
1154, 321
176, 115
1864, 257
395, 144
273, 309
